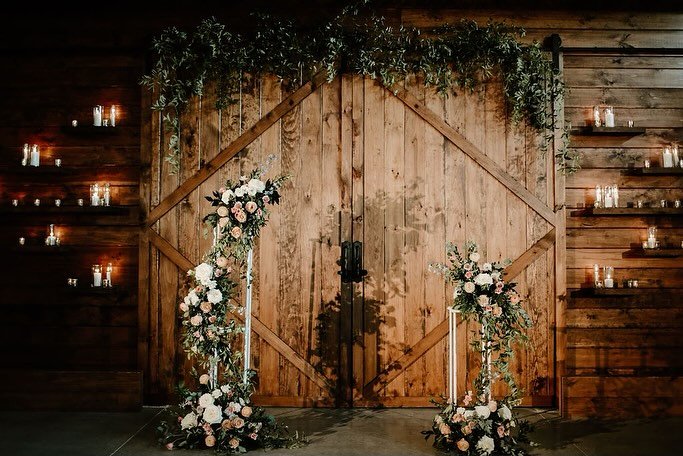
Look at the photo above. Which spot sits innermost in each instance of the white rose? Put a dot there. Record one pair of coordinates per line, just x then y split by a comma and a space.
460, 411
482, 411
205, 400
216, 393
505, 413
239, 192
469, 287
483, 279
235, 407
212, 414
214, 296
225, 389
495, 275
486, 444
483, 300
456, 292
203, 273
227, 196
257, 185
468, 414
486, 267
474, 256
187, 300
189, 421
194, 299
211, 284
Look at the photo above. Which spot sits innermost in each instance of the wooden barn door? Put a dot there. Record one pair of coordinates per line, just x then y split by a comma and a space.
413, 191
401, 172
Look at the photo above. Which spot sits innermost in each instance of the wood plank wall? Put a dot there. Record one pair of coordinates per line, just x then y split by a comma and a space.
74, 349
621, 355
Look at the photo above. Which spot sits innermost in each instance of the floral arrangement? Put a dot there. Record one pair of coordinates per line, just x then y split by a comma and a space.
241, 210
486, 429
220, 414
480, 293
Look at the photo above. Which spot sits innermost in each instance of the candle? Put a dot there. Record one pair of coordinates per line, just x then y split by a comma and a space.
674, 152
51, 239
609, 197
58, 202
112, 115
15, 202
651, 237
22, 241
80, 201
596, 276
97, 116
598, 196
662, 203
74, 123
609, 116
109, 270
677, 204
640, 204
107, 194
667, 158
35, 155
25, 158
609, 277
630, 124
615, 195
647, 163
96, 275
644, 245
596, 116
36, 202
635, 283
95, 195
105, 123
58, 162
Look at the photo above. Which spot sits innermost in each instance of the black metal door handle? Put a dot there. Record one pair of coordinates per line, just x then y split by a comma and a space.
346, 262
358, 271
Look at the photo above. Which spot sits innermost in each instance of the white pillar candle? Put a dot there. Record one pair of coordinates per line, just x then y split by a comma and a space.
97, 116
35, 155
609, 277
112, 115
667, 158
615, 195
107, 194
109, 270
25, 158
609, 199
609, 117
596, 275
95, 195
596, 116
598, 196
674, 152
97, 275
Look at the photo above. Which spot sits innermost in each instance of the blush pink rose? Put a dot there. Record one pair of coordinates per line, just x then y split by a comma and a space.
444, 429
212, 319
238, 423
204, 379
246, 411
183, 307
205, 306
234, 443
463, 445
236, 232
223, 221
221, 261
210, 441
196, 320
241, 216
169, 446
266, 199
222, 211
501, 431
251, 207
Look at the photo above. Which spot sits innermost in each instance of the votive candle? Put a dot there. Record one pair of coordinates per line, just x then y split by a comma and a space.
35, 155
96, 275
609, 116
596, 116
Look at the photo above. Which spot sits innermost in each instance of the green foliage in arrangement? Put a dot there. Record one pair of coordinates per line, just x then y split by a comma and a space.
462, 55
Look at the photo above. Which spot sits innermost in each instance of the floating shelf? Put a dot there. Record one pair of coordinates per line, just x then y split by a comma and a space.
614, 291
604, 131
626, 211
654, 253
96, 291
656, 171
90, 130
52, 209
43, 170
42, 249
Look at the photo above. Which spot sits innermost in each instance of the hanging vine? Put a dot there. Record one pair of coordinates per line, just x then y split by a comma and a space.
462, 55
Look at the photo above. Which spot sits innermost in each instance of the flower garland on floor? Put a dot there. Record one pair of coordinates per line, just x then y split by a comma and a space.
483, 426
454, 55
220, 414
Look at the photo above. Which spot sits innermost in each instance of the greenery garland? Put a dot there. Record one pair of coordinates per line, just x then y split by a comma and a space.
455, 55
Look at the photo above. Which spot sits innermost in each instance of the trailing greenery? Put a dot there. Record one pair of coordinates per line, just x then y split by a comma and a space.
461, 55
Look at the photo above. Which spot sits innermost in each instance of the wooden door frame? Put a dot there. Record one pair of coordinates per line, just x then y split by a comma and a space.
149, 238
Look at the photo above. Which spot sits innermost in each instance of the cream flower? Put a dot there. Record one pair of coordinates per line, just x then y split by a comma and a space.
188, 421
469, 287
222, 211
223, 222
246, 411
204, 379
210, 441
482, 411
236, 232
463, 445
460, 411
251, 207
493, 405
241, 191
212, 414
234, 443
444, 429
257, 184
205, 306
194, 299
474, 256
216, 393
487, 267
241, 216
196, 320
214, 296
203, 273
483, 279
504, 412
205, 400
483, 300
227, 196
184, 307
238, 423
486, 445
221, 262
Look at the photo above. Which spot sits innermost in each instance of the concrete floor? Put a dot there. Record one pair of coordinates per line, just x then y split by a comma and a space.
394, 432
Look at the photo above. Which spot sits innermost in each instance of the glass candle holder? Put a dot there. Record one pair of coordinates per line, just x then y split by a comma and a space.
58, 162
74, 123
609, 117
58, 202
95, 195
646, 164
109, 269
51, 239
15, 202
36, 202
674, 152
652, 237
22, 241
96, 275
112, 115
667, 157
35, 155
97, 115
26, 155
596, 276
106, 197
609, 277
596, 116
80, 201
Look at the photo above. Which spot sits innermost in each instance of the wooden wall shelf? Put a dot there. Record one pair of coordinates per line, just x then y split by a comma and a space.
654, 253
656, 171
43, 170
52, 209
97, 291
90, 130
602, 131
614, 292
626, 211
42, 249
